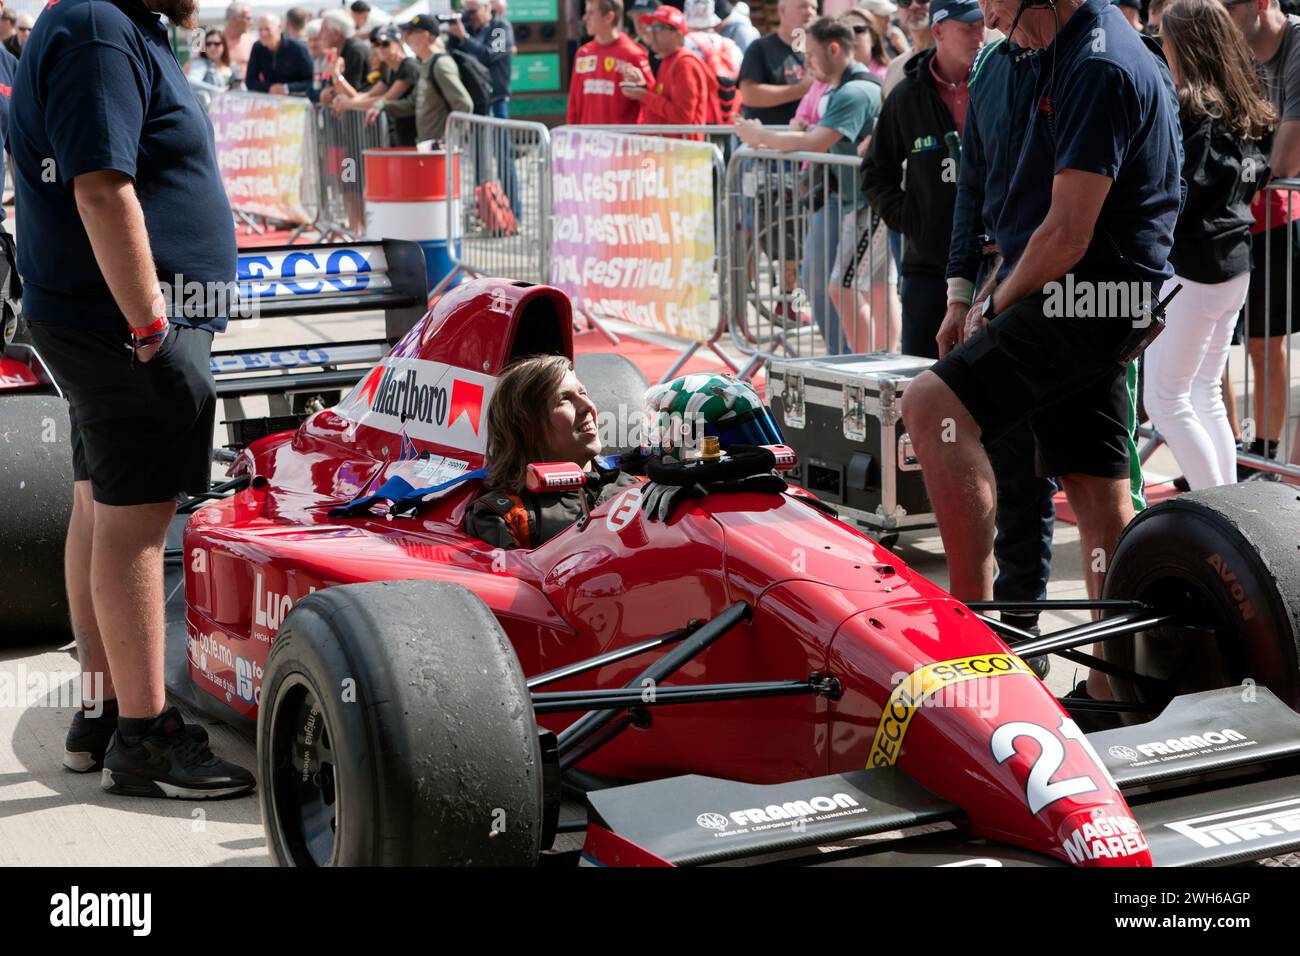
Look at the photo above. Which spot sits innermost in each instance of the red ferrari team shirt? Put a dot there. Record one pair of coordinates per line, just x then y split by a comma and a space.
594, 96
681, 93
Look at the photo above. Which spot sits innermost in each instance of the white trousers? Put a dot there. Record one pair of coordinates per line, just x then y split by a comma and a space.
1183, 367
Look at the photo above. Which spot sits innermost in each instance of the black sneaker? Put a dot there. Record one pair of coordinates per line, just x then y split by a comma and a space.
168, 762
88, 739
1089, 721
1041, 665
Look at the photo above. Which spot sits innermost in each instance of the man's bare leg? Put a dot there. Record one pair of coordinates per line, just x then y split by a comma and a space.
76, 571
1268, 358
1230, 404
889, 316
960, 482
1104, 507
874, 329
126, 576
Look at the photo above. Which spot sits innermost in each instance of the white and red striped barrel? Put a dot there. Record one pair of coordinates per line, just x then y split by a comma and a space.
406, 198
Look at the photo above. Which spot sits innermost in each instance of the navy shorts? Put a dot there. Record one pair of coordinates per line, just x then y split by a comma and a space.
1062, 375
141, 432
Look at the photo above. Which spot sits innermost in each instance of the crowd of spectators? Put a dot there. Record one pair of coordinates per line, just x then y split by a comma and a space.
15, 28
414, 74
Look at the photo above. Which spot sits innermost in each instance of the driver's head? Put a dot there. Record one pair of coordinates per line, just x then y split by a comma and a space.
680, 413
540, 412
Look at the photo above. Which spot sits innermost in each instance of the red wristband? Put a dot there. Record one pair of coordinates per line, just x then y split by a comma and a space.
153, 328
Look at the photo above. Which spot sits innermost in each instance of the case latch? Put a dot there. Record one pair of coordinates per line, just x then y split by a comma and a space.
792, 398
855, 412
907, 460
890, 400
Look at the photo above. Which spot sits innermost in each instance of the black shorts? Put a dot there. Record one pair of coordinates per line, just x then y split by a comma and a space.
1062, 375
1262, 321
141, 433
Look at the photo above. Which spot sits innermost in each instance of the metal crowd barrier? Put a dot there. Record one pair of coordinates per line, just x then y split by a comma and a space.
341, 142
784, 214
717, 137
1258, 383
1264, 363
503, 183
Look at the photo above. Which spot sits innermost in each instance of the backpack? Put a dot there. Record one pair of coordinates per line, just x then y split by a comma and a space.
722, 58
870, 126
810, 185
494, 210
473, 76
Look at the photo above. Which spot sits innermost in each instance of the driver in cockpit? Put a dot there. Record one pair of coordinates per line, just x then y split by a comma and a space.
540, 412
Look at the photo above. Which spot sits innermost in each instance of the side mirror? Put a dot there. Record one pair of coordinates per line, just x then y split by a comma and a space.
559, 476
555, 476
786, 459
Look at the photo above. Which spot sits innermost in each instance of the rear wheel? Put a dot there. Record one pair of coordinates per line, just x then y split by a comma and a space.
395, 729
36, 481
1227, 562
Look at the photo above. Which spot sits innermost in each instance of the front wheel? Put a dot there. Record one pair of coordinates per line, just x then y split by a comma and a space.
395, 729
1226, 561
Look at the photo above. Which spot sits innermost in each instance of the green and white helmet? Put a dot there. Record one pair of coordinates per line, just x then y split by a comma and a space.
679, 414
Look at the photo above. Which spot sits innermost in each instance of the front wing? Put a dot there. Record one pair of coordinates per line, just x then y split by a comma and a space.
1215, 779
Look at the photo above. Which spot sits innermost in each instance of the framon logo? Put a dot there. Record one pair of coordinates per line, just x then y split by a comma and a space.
1159, 751
77, 909
792, 813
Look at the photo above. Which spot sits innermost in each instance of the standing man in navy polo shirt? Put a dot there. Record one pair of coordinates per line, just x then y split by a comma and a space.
1092, 200
120, 198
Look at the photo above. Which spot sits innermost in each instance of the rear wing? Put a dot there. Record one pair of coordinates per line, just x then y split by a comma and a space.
288, 282
387, 274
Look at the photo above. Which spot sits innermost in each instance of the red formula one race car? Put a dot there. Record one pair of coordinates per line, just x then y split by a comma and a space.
747, 680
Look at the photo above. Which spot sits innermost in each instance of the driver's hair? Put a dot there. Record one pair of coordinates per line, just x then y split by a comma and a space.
517, 418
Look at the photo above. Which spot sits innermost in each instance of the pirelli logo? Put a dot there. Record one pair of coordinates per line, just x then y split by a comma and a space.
920, 685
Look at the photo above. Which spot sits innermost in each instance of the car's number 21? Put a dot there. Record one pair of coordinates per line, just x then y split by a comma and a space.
1040, 789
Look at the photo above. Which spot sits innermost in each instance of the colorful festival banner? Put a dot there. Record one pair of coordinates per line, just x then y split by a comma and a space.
261, 144
633, 234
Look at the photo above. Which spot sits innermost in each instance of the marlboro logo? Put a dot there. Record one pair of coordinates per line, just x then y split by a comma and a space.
423, 401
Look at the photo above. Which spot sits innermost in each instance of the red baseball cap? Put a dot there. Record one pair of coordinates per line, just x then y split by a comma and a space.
669, 15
